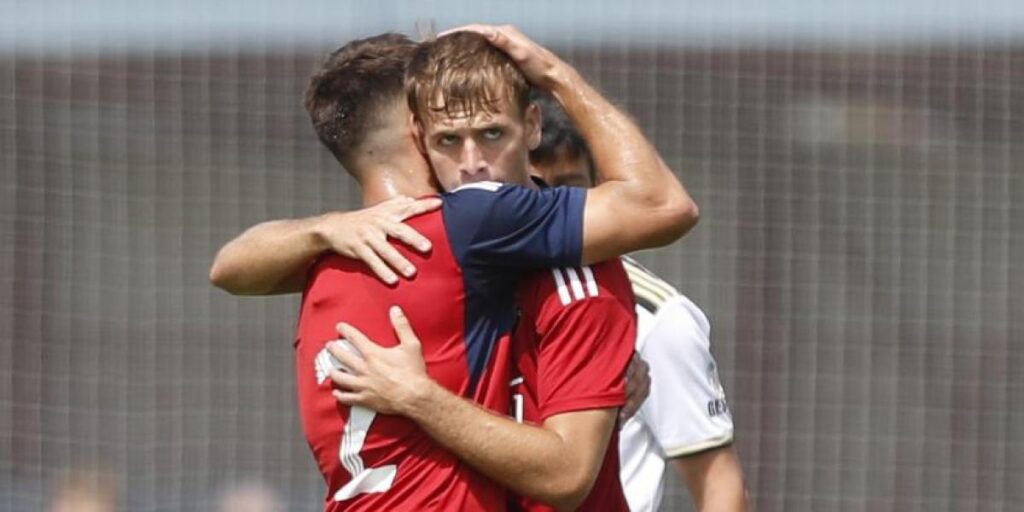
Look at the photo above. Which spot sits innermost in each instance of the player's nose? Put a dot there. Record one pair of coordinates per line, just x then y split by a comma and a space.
473, 161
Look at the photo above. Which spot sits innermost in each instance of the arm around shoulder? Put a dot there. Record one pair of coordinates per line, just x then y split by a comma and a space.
273, 257
268, 258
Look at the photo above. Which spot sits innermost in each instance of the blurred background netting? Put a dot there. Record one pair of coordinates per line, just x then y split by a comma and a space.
859, 167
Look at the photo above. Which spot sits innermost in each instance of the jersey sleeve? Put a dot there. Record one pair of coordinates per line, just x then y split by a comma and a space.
586, 330
686, 410
514, 226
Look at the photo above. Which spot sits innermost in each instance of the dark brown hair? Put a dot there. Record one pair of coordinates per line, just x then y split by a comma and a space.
558, 136
462, 73
348, 96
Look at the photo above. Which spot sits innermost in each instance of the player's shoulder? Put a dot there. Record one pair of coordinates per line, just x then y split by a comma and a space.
494, 191
604, 280
652, 292
680, 313
481, 193
475, 197
329, 264
429, 224
481, 205
682, 303
478, 187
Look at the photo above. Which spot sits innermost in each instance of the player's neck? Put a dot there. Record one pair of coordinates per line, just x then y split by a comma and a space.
386, 182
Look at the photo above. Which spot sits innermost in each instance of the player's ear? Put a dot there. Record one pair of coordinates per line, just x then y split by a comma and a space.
417, 134
531, 121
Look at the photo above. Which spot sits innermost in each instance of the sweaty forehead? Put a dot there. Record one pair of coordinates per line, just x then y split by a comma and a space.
462, 118
446, 112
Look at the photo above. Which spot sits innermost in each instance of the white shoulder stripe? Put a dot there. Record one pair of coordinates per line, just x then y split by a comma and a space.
490, 186
571, 281
591, 282
655, 283
563, 291
647, 285
574, 281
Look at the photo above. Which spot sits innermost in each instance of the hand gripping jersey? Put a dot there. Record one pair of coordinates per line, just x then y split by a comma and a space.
572, 348
686, 412
461, 303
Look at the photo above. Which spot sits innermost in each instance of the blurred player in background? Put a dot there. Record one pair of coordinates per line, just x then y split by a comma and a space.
249, 496
275, 256
89, 488
685, 421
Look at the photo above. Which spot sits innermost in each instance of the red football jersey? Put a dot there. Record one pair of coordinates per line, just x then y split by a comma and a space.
575, 339
461, 303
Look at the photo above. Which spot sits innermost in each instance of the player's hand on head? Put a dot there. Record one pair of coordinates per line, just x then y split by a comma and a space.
540, 66
638, 386
387, 380
364, 234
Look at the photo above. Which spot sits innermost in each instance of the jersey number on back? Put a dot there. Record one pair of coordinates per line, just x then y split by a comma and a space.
364, 480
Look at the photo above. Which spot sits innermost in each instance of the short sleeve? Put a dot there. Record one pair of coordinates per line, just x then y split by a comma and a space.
586, 329
513, 226
686, 410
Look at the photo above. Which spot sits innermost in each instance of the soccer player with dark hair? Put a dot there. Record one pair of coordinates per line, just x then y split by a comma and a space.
460, 300
562, 154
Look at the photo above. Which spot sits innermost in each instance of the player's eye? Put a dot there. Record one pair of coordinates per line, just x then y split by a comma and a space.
493, 134
448, 140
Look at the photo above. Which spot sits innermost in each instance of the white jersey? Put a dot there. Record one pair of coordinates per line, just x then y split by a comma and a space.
686, 412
